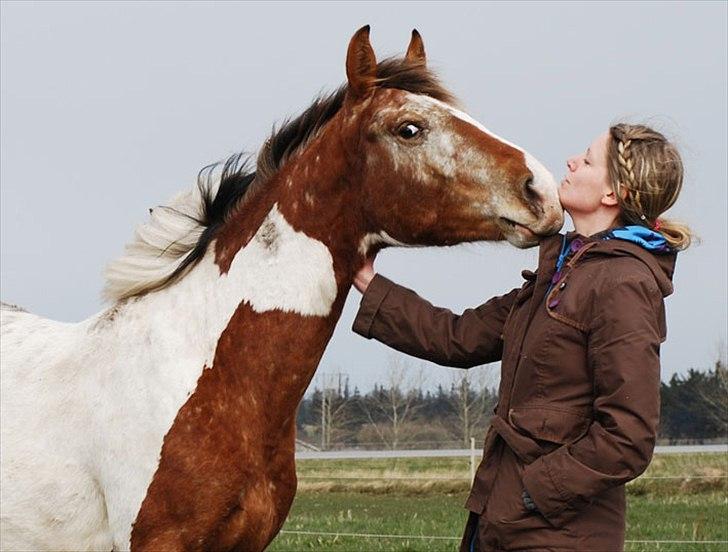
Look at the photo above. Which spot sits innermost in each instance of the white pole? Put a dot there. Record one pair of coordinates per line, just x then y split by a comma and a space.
472, 458
323, 417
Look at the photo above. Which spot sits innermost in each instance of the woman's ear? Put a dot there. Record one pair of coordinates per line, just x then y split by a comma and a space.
610, 195
610, 199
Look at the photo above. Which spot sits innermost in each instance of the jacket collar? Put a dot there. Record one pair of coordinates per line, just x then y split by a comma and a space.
662, 265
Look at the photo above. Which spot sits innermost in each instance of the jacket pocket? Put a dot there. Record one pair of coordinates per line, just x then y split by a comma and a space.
532, 431
518, 527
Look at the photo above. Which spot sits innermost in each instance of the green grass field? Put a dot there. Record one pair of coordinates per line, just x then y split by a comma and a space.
425, 496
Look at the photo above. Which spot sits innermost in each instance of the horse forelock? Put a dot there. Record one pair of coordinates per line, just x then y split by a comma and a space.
177, 235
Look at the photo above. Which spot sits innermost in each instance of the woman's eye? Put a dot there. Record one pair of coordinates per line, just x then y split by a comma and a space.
409, 130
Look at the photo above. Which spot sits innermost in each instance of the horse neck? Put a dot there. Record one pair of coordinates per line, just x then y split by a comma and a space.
299, 237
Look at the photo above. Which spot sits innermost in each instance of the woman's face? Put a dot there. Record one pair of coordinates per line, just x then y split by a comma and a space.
586, 184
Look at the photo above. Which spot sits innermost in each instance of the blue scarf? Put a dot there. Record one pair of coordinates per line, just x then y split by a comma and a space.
641, 235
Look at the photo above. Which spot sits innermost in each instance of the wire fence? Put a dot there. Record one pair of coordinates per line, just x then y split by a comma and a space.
336, 534
464, 478
459, 442
474, 451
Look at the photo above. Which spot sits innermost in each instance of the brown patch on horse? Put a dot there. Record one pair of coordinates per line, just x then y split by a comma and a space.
226, 477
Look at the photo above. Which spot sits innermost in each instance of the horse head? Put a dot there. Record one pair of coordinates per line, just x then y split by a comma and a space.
429, 173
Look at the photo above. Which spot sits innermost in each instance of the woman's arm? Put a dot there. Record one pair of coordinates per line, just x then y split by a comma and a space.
624, 352
401, 319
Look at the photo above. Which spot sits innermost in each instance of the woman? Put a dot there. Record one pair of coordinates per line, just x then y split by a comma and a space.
579, 342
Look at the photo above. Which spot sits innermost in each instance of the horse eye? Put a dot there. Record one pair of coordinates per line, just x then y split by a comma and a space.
409, 130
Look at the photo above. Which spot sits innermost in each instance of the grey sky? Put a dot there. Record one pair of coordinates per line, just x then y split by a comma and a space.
111, 108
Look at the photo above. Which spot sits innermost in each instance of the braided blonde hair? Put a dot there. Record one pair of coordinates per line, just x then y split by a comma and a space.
647, 175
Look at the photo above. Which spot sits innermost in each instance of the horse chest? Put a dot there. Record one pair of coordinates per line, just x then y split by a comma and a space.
223, 482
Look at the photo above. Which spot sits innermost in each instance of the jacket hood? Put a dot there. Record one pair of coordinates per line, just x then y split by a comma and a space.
659, 260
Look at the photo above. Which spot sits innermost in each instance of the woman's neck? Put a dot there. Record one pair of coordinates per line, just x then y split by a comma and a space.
593, 223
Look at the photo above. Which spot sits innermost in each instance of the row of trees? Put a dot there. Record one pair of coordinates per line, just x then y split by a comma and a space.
400, 414
695, 406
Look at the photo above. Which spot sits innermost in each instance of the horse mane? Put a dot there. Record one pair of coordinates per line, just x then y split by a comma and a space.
177, 235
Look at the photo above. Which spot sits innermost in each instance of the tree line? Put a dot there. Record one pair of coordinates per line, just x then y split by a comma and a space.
399, 413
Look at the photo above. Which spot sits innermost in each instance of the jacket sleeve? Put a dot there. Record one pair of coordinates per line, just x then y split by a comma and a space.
624, 352
401, 319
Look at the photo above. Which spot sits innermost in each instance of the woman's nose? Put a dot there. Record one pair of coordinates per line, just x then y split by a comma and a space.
570, 164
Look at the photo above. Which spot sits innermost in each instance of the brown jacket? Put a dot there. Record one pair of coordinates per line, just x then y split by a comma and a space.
579, 393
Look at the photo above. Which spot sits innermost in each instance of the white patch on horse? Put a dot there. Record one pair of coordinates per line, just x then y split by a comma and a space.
80, 482
295, 276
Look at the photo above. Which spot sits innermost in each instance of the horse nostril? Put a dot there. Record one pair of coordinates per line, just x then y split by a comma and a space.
529, 190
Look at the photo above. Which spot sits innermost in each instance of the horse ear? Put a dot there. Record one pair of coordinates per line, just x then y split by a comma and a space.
416, 49
361, 64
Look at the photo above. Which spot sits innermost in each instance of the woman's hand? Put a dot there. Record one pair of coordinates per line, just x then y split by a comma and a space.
365, 274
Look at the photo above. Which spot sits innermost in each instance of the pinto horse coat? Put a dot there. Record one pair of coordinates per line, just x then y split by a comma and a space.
167, 421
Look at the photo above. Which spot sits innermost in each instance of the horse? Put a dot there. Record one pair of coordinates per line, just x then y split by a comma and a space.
167, 420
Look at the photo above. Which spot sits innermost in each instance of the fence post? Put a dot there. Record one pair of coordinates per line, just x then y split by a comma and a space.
472, 459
